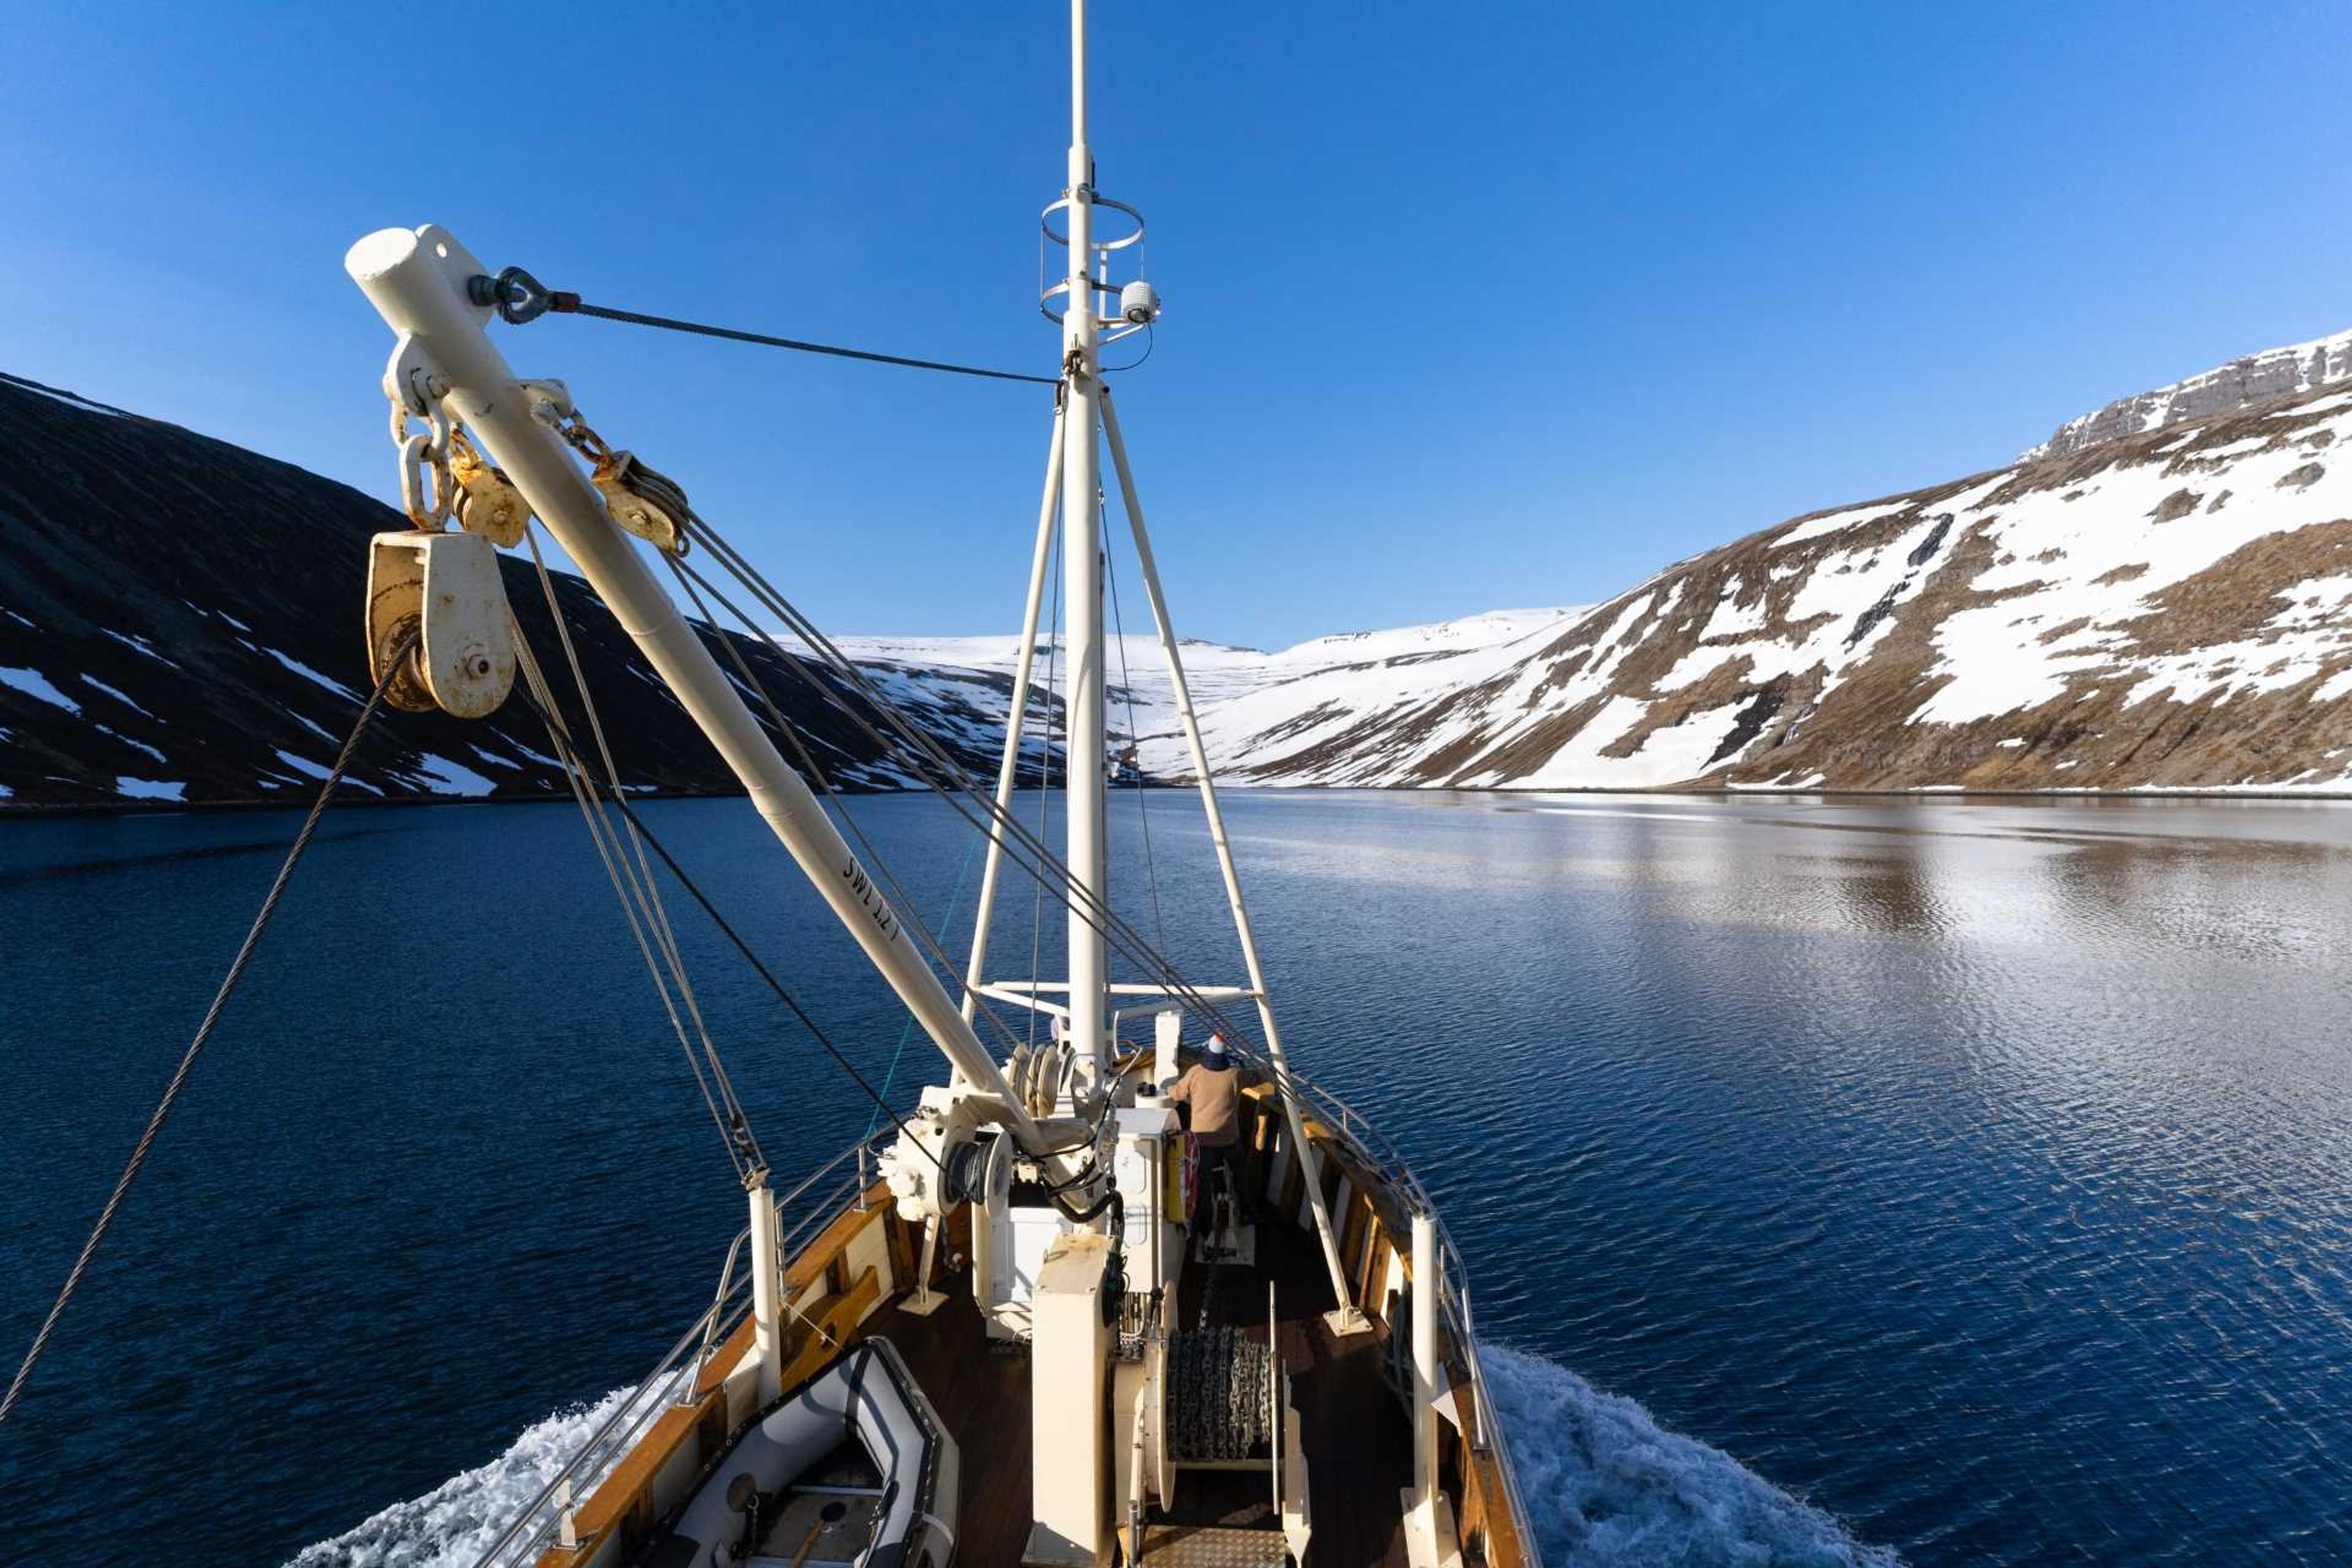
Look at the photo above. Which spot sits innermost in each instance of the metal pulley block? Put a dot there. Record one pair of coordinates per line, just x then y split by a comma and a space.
643, 501
487, 502
446, 589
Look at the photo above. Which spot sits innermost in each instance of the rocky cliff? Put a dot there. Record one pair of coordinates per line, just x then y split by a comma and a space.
2257, 378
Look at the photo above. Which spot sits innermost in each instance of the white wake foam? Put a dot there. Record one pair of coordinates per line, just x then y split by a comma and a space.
1606, 1485
452, 1525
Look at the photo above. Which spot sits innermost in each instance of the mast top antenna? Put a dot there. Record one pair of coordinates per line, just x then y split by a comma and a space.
1089, 258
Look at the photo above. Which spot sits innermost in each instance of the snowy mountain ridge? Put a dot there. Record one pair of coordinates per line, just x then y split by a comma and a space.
2159, 598
1221, 677
2245, 381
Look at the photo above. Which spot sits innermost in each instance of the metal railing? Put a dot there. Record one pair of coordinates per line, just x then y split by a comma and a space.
1374, 1149
675, 1378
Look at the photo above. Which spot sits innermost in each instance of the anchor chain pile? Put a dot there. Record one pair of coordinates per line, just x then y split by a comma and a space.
1220, 1402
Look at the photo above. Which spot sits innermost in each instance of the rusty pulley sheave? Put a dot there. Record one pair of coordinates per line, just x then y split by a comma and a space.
640, 499
643, 501
487, 502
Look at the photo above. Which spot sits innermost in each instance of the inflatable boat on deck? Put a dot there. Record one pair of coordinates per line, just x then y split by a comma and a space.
852, 1470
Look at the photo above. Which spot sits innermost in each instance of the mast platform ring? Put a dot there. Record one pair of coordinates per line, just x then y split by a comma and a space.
1115, 327
1046, 223
1111, 325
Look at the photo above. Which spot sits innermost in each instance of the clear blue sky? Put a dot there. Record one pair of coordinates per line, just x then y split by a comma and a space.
1469, 307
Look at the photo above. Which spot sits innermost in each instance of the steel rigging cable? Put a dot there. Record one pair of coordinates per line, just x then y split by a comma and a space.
520, 298
688, 579
228, 984
614, 799
1083, 901
1134, 739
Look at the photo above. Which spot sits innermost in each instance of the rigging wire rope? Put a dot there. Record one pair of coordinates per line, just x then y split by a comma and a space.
520, 298
1089, 906
642, 893
619, 804
688, 579
734, 1134
907, 1029
1134, 741
1046, 784
212, 1018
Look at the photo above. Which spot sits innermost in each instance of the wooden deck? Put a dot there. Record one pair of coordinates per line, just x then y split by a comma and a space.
982, 1393
1359, 1449
849, 1281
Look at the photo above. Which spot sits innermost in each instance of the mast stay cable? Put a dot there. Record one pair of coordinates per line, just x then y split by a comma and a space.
1092, 909
520, 298
734, 1131
610, 791
912, 913
139, 1153
1134, 741
907, 1029
642, 892
1046, 784
1048, 868
689, 578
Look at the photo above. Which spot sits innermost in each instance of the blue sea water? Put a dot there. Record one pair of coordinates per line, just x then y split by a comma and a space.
1968, 1180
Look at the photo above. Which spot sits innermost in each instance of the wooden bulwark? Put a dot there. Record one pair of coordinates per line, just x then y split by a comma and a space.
617, 1519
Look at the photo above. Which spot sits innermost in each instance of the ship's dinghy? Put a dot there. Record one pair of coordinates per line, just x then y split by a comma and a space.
852, 1470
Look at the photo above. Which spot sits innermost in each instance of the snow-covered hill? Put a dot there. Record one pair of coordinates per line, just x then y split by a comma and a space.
1229, 684
2163, 608
2254, 378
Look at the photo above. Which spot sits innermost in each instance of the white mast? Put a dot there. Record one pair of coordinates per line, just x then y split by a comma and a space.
1082, 589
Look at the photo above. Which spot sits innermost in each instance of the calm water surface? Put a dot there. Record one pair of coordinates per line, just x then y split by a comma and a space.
1977, 1171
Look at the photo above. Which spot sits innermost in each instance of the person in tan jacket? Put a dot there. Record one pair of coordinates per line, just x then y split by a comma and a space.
1210, 1092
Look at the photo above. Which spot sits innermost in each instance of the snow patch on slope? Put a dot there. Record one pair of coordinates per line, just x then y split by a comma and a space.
2064, 560
32, 683
443, 776
307, 673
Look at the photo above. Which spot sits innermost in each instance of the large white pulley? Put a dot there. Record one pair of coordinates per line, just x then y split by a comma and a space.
446, 588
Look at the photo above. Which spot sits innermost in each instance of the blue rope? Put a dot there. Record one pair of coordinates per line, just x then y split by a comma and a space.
907, 1030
